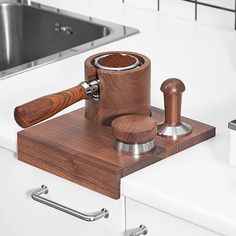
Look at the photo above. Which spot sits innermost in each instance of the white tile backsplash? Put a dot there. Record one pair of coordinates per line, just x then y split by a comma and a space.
186, 10
146, 4
119, 1
216, 17
223, 3
178, 8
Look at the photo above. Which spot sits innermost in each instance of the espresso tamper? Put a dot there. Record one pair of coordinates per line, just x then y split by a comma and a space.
134, 134
173, 126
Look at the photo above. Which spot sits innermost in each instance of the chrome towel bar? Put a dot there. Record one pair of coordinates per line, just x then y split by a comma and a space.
36, 195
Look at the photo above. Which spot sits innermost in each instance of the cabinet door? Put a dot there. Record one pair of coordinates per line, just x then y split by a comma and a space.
20, 215
159, 223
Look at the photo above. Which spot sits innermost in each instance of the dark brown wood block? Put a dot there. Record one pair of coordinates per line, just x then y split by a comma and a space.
134, 128
121, 92
77, 149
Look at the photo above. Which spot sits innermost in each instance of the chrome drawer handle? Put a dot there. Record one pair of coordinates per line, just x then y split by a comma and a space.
142, 230
36, 195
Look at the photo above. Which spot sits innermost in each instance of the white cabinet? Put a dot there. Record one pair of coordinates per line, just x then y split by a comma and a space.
20, 215
159, 223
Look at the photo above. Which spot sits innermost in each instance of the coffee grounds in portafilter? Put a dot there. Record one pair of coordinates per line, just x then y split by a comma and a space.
117, 60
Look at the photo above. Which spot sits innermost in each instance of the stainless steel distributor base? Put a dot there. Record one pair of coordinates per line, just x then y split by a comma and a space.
137, 148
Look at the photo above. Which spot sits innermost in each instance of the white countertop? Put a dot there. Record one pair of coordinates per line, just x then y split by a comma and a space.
197, 184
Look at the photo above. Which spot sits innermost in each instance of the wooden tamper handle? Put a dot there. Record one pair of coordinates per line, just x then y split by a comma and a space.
173, 126
173, 89
134, 133
44, 107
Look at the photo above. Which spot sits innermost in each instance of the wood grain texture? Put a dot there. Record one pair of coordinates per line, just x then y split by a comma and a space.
173, 89
76, 149
44, 107
134, 128
121, 92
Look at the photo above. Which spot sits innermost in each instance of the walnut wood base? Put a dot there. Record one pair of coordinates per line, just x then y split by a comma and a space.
76, 149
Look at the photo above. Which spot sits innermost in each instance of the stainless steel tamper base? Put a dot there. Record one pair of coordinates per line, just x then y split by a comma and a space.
173, 131
137, 148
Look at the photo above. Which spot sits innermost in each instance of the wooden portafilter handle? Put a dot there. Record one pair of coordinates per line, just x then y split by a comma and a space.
173, 126
44, 107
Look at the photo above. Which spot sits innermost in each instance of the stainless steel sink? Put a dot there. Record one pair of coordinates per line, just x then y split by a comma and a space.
33, 34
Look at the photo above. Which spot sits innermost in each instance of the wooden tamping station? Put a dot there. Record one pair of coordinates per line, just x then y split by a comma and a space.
117, 123
173, 126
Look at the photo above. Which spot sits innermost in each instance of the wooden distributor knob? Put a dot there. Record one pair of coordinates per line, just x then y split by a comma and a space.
134, 134
173, 126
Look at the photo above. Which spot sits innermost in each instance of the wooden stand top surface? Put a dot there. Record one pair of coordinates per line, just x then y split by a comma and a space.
78, 140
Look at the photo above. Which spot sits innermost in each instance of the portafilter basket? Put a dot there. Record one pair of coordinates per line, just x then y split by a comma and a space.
134, 62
